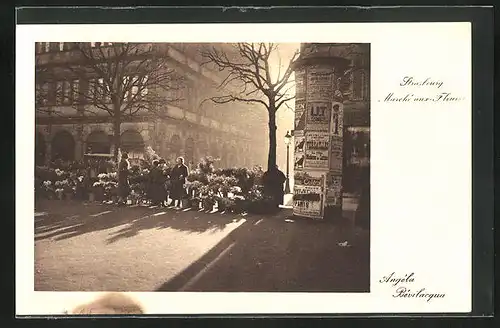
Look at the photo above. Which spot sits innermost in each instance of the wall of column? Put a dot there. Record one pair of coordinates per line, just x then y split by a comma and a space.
318, 135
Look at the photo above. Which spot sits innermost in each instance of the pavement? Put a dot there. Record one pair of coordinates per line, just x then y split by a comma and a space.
99, 247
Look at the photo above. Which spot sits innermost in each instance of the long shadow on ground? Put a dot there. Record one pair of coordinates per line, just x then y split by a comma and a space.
273, 255
66, 224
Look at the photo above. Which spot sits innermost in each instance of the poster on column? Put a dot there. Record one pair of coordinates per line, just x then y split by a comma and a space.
308, 194
317, 148
319, 83
336, 155
300, 114
333, 190
311, 179
299, 161
318, 116
300, 84
300, 142
337, 122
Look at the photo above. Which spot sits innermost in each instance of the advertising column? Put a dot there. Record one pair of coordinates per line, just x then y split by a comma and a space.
318, 139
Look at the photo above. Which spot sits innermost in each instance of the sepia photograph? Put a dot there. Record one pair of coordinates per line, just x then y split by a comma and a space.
167, 167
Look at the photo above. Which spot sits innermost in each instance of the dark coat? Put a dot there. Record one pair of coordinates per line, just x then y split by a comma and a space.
178, 179
273, 185
123, 184
156, 185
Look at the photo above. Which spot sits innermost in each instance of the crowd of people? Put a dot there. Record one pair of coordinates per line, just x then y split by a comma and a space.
164, 182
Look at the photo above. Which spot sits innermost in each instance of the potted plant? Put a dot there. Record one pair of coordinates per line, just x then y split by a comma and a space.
69, 189
208, 202
48, 189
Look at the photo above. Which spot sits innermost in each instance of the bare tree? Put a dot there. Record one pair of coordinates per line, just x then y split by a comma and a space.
249, 80
124, 80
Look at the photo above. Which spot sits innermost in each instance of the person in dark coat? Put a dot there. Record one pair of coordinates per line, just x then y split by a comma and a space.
273, 181
123, 184
162, 164
178, 179
156, 182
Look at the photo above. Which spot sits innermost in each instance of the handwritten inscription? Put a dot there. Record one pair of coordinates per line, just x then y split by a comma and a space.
402, 290
426, 90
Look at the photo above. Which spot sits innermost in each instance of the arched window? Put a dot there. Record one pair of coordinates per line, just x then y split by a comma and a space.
132, 141
63, 146
39, 149
98, 143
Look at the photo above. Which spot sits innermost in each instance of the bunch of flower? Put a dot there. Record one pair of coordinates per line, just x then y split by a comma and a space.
47, 186
255, 194
194, 185
110, 188
206, 165
136, 195
235, 190
59, 172
150, 155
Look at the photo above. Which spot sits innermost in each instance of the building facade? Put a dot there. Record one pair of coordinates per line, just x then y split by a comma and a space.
67, 127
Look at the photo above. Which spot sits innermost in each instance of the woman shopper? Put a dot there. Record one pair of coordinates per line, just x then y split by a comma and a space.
156, 183
178, 179
123, 184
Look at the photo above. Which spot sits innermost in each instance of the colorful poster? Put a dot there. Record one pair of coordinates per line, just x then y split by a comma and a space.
336, 155
337, 124
308, 201
318, 116
300, 117
333, 190
317, 149
320, 83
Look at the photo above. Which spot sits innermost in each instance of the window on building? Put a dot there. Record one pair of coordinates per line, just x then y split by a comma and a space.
61, 46
93, 44
47, 46
92, 95
105, 91
135, 86
126, 94
358, 79
44, 93
59, 92
144, 90
66, 92
75, 89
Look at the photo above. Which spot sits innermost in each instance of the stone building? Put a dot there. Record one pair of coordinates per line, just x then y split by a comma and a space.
68, 128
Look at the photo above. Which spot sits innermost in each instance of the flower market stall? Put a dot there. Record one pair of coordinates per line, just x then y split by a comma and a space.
228, 190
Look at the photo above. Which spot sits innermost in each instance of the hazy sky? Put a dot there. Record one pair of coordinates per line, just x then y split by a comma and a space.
285, 116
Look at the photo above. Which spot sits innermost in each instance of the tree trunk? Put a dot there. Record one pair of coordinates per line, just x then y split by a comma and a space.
116, 135
271, 159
